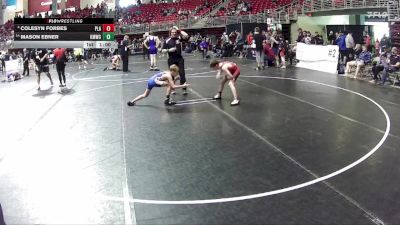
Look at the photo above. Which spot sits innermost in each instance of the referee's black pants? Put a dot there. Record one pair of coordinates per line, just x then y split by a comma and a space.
60, 66
125, 62
180, 62
26, 68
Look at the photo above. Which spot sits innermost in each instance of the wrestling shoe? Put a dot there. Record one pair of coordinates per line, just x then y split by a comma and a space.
217, 97
235, 102
169, 102
131, 103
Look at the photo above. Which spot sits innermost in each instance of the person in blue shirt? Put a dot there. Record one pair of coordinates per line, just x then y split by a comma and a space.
341, 42
204, 47
362, 59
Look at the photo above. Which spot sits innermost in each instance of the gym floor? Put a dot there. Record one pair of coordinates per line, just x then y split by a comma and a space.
303, 147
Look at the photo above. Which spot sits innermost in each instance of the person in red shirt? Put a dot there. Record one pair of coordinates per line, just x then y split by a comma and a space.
231, 72
367, 41
249, 38
59, 54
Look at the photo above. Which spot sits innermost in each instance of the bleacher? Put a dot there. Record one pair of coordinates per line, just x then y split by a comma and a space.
255, 6
6, 31
162, 12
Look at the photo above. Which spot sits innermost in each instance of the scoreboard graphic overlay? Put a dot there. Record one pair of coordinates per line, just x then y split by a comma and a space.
64, 32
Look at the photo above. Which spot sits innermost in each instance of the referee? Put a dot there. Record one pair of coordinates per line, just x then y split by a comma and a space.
125, 53
173, 45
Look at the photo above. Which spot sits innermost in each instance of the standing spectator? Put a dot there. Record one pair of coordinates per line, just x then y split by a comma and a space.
173, 45
59, 54
249, 38
232, 36
300, 37
317, 39
204, 47
308, 38
350, 44
331, 38
26, 60
343, 53
385, 43
125, 46
259, 38
224, 39
367, 41
377, 47
275, 46
268, 35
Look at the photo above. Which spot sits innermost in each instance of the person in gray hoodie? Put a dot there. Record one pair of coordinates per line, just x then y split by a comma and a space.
350, 43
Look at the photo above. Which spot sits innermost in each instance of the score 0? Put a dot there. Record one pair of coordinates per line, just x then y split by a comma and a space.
108, 27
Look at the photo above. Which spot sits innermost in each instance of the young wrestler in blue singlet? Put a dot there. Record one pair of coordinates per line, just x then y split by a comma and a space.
152, 43
162, 79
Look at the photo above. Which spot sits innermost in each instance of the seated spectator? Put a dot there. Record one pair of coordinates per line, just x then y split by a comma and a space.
363, 58
376, 68
389, 62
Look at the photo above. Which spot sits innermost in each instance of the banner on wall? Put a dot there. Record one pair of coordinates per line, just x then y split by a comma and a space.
45, 5
318, 57
376, 17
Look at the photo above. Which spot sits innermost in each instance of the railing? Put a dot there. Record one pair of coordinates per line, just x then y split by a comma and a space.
283, 14
393, 11
323, 5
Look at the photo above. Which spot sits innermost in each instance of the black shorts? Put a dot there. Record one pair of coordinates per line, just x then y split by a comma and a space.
344, 53
43, 69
